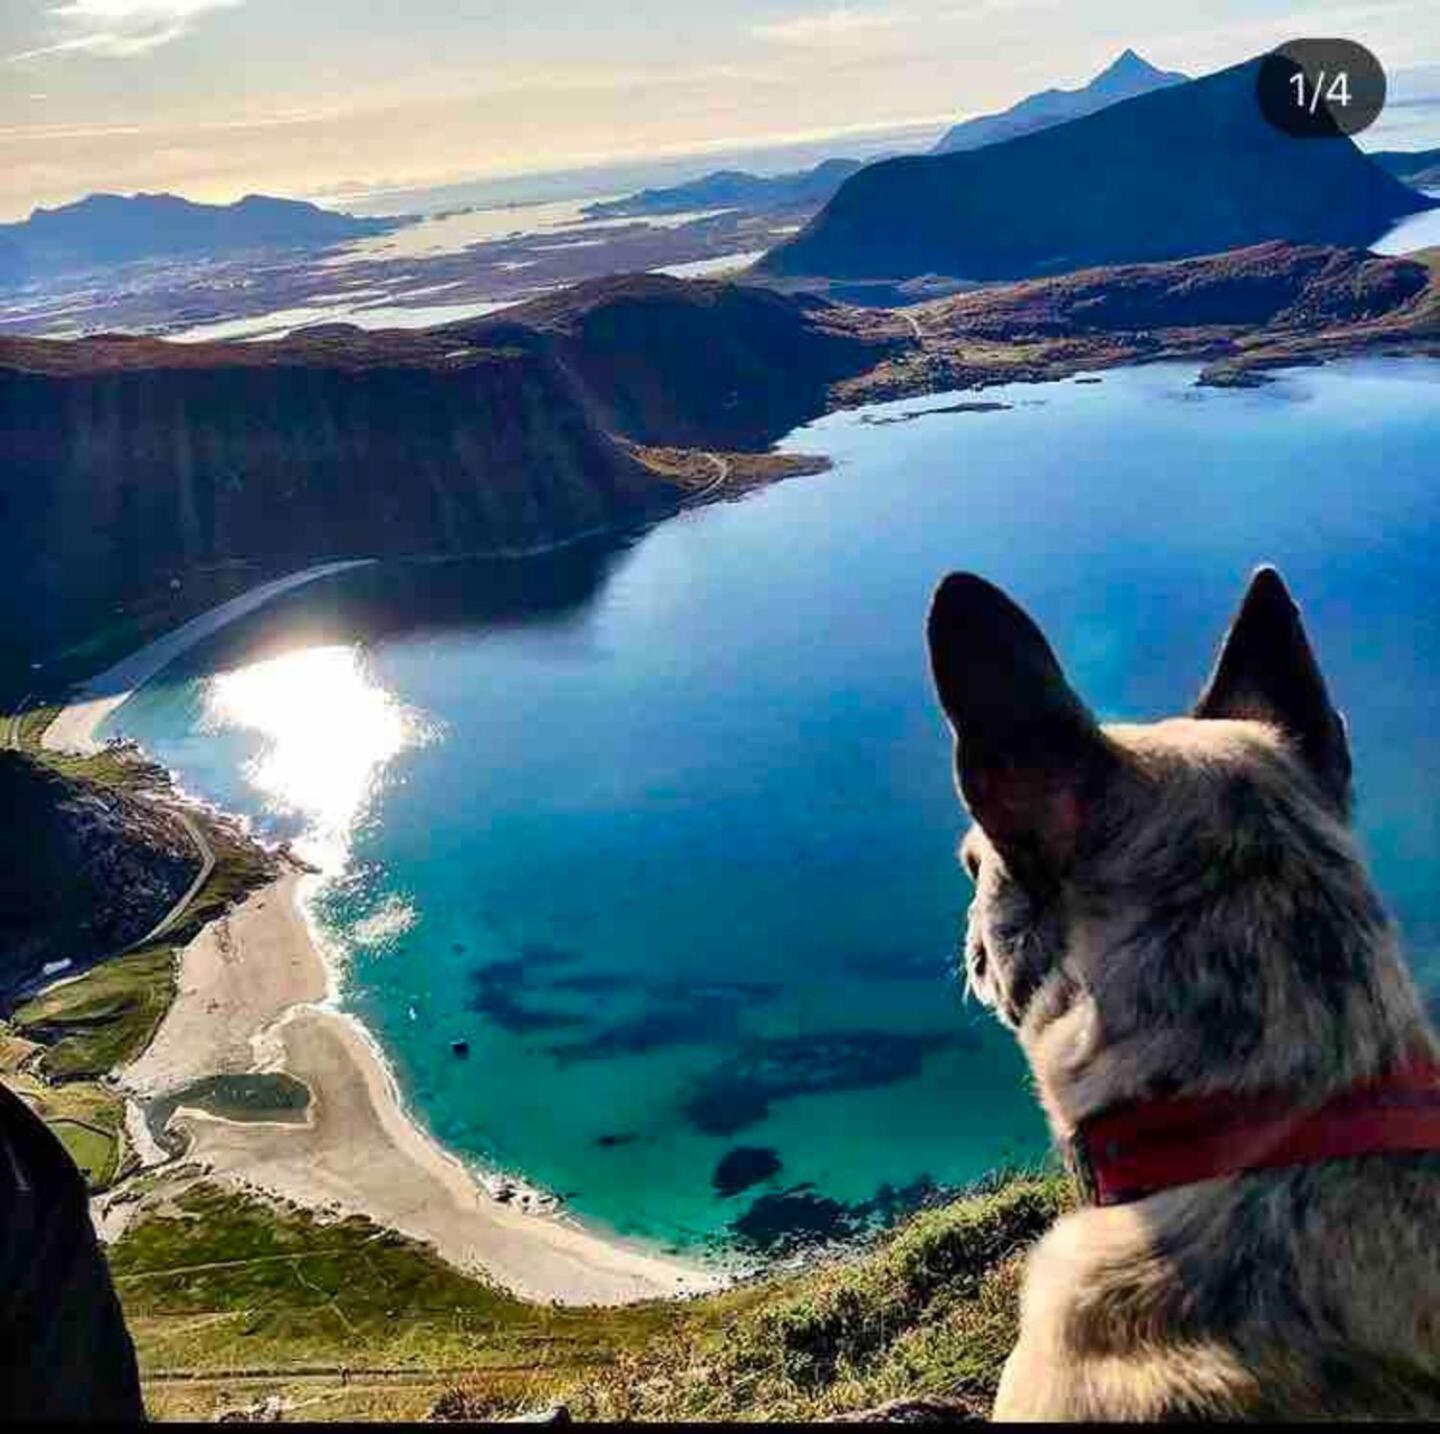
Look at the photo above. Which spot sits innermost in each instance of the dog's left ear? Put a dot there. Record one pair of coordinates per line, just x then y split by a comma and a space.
1028, 754
1266, 672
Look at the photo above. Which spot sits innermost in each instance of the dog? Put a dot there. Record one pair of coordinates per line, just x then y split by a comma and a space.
1175, 920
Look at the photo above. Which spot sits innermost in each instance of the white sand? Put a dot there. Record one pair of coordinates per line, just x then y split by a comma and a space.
248, 984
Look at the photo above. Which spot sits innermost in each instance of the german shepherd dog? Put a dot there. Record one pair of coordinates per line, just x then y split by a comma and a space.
1175, 920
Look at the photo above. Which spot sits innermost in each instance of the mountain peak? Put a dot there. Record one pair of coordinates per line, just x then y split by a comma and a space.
1126, 76
1128, 62
1030, 205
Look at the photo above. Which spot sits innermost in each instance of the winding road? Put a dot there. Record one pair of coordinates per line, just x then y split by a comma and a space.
207, 865
722, 472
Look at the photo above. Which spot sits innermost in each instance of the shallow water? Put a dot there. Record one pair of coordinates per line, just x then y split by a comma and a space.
1419, 231
663, 829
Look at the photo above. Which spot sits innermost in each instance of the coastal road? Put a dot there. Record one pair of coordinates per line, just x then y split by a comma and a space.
207, 865
722, 472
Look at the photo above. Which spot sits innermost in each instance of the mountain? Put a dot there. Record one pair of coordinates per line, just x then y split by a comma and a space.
1420, 167
107, 229
1188, 169
132, 461
706, 365
733, 189
1126, 77
1291, 289
132, 464
1123, 79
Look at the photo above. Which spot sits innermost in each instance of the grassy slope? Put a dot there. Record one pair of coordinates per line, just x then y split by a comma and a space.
231, 1300
931, 1311
106, 1017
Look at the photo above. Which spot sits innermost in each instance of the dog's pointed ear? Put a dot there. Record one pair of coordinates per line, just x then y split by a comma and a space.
1266, 672
1027, 751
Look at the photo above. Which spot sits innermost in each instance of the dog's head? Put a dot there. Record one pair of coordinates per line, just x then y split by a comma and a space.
1174, 904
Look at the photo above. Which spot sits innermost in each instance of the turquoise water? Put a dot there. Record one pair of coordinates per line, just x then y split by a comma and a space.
664, 829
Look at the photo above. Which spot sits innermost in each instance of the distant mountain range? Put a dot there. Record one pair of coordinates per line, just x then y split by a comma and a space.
1187, 169
108, 229
733, 189
1123, 79
1126, 77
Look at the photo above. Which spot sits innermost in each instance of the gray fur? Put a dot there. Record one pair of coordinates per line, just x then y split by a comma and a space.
1206, 923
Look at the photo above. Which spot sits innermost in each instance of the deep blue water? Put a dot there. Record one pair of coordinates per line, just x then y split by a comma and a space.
666, 831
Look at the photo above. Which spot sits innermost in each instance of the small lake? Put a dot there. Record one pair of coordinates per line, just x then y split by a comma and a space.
663, 827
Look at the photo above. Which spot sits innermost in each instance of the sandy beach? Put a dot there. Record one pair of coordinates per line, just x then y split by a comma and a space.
252, 993
73, 729
249, 984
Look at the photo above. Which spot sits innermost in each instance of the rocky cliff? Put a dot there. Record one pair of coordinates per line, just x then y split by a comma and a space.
132, 462
706, 365
88, 869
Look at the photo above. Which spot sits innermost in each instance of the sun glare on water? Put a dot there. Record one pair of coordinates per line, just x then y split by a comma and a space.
328, 730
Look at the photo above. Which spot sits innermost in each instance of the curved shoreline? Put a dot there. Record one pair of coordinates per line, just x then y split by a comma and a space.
73, 727
250, 1000
254, 996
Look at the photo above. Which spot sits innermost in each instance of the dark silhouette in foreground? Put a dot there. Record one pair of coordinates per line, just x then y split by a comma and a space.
65, 1354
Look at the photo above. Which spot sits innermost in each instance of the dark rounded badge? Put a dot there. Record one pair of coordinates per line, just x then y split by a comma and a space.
1317, 89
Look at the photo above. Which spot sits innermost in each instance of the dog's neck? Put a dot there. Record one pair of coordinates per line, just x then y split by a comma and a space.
1089, 1053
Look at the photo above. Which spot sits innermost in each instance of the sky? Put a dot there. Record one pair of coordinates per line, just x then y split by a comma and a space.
218, 98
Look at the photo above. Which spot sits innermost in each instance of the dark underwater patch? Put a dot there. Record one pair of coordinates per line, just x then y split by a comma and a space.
797, 1218
890, 1203
653, 1030
544, 953
787, 1220
739, 1091
593, 982
609, 1142
500, 985
513, 971
513, 1015
742, 1167
679, 1014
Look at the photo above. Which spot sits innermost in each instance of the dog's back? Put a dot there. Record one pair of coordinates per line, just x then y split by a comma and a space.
1306, 1293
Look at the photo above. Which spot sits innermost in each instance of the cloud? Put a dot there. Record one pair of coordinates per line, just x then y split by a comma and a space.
123, 29
837, 28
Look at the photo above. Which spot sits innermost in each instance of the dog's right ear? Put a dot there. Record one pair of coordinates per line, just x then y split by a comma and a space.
1267, 671
1028, 754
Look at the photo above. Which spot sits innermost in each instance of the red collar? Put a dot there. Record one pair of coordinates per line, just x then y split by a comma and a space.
1136, 1149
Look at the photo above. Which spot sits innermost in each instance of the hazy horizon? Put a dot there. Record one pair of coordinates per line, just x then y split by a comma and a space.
218, 98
